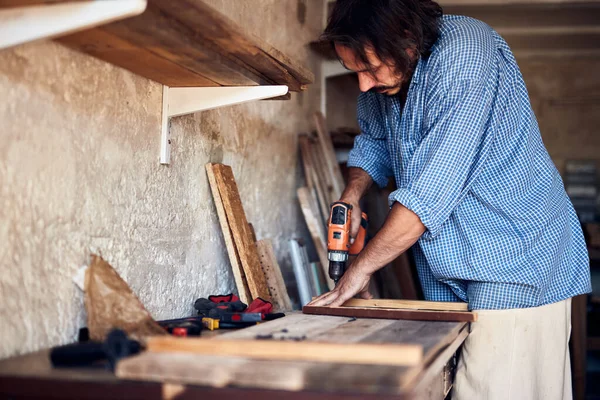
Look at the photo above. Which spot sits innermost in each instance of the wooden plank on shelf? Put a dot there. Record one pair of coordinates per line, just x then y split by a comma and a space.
117, 51
236, 218
236, 266
229, 39
388, 313
323, 49
355, 353
268, 261
407, 304
330, 158
186, 44
222, 29
316, 230
169, 38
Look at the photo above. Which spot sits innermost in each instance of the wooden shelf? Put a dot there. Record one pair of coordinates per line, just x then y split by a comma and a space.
323, 49
23, 21
186, 43
203, 59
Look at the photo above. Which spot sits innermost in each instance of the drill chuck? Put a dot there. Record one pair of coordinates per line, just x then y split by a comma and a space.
339, 256
336, 270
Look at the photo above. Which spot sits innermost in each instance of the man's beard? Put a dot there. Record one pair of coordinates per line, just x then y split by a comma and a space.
401, 86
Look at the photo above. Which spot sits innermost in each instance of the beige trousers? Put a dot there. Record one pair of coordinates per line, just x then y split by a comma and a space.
517, 354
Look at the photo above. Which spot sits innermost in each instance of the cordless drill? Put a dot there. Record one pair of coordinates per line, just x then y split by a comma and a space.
338, 238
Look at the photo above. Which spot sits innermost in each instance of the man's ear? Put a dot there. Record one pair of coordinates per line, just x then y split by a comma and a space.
412, 50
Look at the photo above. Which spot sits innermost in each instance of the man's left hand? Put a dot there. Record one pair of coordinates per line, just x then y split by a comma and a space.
354, 281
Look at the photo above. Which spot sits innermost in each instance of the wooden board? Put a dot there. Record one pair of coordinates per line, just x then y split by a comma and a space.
330, 158
407, 304
227, 34
118, 51
223, 35
303, 143
315, 228
355, 353
313, 182
236, 218
268, 261
388, 313
188, 43
169, 38
359, 379
422, 380
236, 266
321, 169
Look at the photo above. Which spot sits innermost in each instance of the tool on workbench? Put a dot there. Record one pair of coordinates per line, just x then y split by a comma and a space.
116, 346
183, 326
212, 323
228, 312
338, 238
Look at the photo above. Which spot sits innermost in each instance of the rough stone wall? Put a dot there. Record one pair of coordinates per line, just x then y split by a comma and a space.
79, 172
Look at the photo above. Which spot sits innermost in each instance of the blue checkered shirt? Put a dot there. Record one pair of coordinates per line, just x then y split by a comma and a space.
468, 159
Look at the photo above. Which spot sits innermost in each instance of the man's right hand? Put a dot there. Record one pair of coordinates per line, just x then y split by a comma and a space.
355, 221
358, 183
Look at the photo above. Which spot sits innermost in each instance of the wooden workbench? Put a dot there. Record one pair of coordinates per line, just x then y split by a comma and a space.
179, 377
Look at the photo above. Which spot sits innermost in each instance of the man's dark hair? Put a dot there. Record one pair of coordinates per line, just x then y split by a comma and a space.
388, 27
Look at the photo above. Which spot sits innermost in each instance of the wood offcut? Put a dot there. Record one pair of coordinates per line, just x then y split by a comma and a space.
240, 229
268, 261
355, 353
236, 265
329, 156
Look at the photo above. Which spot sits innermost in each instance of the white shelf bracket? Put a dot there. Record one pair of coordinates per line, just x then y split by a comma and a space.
24, 24
188, 100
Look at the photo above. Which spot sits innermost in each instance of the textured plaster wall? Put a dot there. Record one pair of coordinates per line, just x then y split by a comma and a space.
341, 98
565, 95
79, 172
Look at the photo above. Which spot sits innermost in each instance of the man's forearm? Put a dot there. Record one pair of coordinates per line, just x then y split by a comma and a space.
400, 231
358, 183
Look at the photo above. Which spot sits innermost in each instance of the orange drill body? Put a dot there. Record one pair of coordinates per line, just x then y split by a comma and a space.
338, 238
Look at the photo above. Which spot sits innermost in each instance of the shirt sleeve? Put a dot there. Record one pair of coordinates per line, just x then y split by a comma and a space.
370, 152
452, 153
